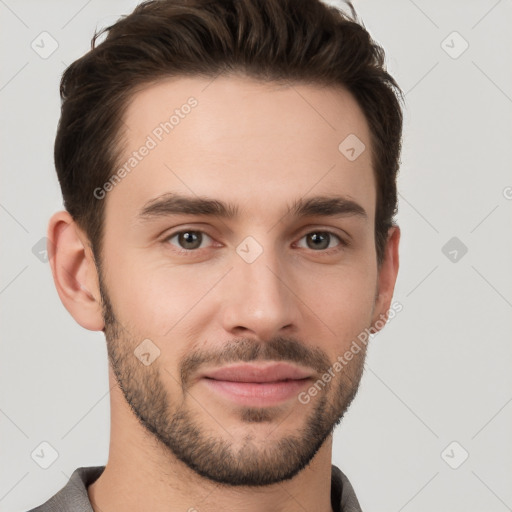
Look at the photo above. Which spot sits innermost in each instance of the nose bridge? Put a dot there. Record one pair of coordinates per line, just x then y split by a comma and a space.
259, 298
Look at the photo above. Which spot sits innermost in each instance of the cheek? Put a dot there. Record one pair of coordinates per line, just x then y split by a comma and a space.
343, 300
155, 299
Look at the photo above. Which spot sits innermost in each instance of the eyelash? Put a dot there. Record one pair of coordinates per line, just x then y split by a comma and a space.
193, 252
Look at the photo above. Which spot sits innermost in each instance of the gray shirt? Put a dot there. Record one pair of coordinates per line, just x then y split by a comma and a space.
73, 496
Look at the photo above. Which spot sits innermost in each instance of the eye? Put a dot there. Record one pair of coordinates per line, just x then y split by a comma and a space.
322, 240
188, 240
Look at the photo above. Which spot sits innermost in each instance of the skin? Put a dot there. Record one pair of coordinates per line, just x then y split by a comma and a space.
260, 147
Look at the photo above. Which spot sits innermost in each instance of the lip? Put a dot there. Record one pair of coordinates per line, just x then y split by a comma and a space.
257, 385
246, 372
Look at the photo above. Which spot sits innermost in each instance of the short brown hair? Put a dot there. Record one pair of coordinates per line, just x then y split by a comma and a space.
271, 40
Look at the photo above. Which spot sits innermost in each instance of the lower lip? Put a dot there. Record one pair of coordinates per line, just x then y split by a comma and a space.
257, 394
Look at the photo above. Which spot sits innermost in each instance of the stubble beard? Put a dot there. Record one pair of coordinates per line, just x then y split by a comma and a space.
209, 450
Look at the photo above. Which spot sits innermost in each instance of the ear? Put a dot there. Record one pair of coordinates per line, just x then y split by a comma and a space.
386, 279
74, 271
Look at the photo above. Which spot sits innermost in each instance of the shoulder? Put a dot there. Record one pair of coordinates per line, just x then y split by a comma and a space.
343, 495
73, 496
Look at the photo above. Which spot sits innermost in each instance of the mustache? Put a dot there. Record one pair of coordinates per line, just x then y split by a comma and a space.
279, 349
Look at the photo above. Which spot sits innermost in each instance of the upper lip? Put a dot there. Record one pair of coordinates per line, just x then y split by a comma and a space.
258, 373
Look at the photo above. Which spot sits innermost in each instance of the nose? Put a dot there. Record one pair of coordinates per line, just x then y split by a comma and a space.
258, 298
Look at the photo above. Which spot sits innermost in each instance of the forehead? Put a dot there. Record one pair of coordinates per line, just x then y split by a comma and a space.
243, 141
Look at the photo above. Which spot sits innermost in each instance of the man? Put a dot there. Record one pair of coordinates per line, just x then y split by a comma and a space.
229, 176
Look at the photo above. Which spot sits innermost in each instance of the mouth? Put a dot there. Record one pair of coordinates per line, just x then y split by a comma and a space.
257, 385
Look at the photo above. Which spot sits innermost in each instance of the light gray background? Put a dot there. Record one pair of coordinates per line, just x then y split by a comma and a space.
441, 369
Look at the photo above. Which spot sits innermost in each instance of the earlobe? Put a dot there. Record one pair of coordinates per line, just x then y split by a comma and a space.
386, 279
74, 271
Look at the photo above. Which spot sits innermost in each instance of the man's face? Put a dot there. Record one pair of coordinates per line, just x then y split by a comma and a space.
268, 284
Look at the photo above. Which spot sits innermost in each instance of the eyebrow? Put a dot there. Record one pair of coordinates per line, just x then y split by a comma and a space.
317, 206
